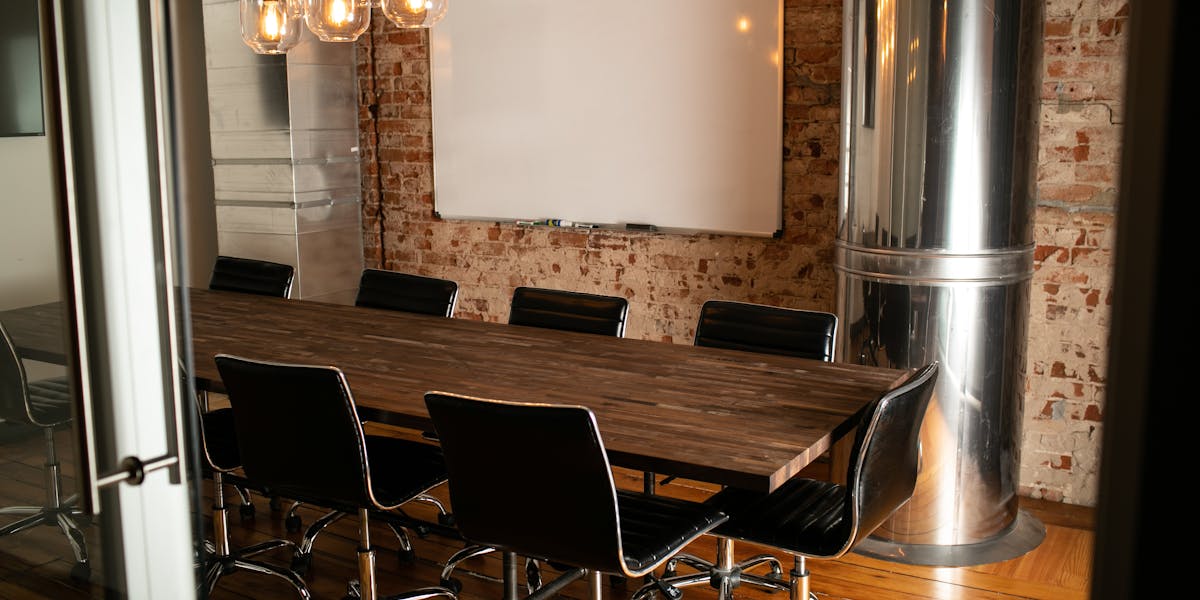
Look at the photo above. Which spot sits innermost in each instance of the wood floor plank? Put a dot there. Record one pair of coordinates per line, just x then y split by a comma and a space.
34, 565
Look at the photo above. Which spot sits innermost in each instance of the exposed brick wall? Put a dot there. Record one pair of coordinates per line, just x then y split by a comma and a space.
1079, 155
666, 278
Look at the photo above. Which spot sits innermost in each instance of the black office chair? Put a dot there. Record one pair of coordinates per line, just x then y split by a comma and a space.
251, 276
46, 405
765, 329
576, 516
218, 442
570, 311
265, 278
299, 434
406, 292
811, 518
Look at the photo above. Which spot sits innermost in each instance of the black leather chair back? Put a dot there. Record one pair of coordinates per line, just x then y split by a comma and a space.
252, 276
406, 292
571, 311
767, 329
886, 453
565, 512
298, 433
14, 391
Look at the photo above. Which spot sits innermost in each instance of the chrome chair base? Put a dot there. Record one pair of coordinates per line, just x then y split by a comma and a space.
224, 564
219, 559
303, 555
57, 511
724, 575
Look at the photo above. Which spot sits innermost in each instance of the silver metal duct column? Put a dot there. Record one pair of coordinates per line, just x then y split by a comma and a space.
935, 251
285, 155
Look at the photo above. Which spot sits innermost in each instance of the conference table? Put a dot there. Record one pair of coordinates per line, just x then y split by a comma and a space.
723, 416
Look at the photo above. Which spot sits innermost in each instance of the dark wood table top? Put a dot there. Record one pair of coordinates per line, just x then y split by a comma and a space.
723, 416
37, 331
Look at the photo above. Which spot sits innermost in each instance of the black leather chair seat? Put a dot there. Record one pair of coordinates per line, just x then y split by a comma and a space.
804, 515
220, 439
50, 401
654, 527
403, 468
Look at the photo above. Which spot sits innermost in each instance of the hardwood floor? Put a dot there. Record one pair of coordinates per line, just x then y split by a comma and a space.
35, 564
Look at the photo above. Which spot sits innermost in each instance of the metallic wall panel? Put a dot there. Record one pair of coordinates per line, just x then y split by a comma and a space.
285, 148
935, 250
323, 96
251, 145
249, 98
330, 262
325, 143
257, 218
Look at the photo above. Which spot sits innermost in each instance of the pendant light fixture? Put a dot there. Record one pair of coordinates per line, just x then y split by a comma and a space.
271, 26
337, 20
414, 14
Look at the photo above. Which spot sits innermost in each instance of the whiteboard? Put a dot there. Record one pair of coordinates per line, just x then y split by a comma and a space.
665, 113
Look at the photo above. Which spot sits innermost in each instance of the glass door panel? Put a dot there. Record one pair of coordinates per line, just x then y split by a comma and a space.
98, 497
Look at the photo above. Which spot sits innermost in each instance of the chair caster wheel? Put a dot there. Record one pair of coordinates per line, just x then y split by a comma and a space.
292, 523
300, 563
246, 511
81, 571
276, 504
445, 520
453, 585
408, 556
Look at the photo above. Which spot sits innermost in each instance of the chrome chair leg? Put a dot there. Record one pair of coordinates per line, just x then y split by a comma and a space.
799, 581
444, 516
364, 587
302, 557
447, 580
406, 552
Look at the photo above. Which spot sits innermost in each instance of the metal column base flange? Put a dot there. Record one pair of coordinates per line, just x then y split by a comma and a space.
1025, 534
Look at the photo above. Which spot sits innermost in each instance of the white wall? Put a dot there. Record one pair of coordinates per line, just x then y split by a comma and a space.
28, 234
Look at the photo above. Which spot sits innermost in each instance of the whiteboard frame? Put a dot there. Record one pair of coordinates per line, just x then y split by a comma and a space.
505, 135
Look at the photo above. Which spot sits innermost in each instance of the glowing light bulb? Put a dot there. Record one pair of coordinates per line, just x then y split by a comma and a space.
337, 14
337, 20
270, 26
270, 20
414, 14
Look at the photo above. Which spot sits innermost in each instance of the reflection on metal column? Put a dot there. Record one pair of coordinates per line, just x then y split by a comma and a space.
935, 251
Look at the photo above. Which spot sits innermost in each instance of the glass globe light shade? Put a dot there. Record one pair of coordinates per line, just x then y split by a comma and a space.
413, 14
271, 26
337, 20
